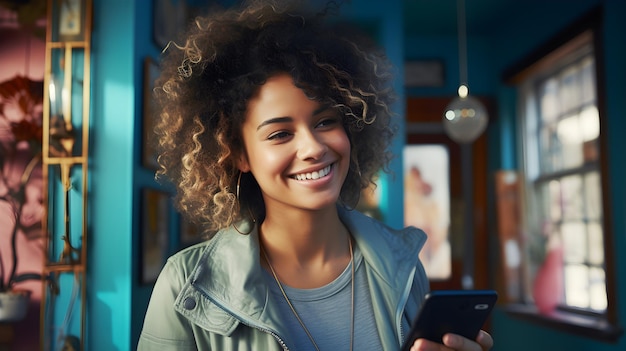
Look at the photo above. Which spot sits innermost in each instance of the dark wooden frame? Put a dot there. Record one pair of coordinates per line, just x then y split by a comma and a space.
424, 127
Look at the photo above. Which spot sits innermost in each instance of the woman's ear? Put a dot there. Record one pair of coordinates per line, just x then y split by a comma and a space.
242, 163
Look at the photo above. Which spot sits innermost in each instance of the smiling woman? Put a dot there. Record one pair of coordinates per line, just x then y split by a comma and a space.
303, 158
270, 133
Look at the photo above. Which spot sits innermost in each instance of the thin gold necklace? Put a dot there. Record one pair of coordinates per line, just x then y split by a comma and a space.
306, 330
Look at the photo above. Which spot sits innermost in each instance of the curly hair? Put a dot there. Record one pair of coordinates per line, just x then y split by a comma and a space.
207, 81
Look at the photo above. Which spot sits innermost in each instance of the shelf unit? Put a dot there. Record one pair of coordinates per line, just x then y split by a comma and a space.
65, 173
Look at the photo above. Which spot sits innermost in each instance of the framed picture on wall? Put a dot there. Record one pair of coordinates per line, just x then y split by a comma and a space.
427, 203
71, 19
149, 154
467, 178
155, 223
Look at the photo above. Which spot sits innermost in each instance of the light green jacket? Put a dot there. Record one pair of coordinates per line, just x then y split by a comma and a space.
213, 296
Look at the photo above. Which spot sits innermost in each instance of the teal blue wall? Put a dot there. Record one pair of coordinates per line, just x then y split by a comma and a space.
144, 47
387, 18
512, 334
110, 284
482, 79
122, 38
488, 56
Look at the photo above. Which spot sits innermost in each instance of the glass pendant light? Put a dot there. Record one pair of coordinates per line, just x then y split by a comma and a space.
465, 117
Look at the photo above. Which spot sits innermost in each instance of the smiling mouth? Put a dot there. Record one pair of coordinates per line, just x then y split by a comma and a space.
313, 175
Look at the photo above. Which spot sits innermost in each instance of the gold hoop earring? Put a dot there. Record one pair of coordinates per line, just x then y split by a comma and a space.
238, 186
239, 202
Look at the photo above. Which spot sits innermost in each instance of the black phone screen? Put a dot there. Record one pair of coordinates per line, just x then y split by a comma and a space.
462, 312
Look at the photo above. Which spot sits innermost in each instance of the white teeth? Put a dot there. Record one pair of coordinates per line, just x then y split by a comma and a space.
313, 175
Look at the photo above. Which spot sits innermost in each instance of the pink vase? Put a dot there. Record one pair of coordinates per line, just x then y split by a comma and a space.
548, 284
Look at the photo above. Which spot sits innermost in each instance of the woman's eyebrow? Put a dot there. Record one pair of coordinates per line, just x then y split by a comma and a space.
289, 119
274, 120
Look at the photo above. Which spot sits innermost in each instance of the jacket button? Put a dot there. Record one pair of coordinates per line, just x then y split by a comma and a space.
189, 303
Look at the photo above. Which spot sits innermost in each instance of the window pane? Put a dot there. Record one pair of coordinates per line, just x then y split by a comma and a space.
588, 81
574, 242
576, 285
596, 244
593, 197
549, 149
572, 197
597, 289
570, 137
554, 200
550, 101
569, 93
589, 123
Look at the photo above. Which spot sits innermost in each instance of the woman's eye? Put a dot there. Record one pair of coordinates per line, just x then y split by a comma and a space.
278, 135
328, 122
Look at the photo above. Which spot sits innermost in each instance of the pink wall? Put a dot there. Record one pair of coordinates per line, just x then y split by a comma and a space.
21, 54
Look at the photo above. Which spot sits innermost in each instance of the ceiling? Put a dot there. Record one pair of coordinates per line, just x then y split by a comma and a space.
421, 17
439, 17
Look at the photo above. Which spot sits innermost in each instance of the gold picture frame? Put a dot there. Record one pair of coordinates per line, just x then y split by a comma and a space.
71, 19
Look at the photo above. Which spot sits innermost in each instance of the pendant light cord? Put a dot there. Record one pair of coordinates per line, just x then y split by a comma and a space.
462, 33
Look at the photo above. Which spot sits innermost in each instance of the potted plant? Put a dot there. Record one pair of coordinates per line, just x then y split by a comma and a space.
20, 158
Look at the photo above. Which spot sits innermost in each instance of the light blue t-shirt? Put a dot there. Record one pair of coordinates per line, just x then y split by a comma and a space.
326, 312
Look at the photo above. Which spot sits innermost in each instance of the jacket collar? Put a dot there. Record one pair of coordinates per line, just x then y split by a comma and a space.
389, 252
229, 274
229, 282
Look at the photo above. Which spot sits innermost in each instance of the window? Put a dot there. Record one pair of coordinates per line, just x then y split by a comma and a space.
563, 215
561, 129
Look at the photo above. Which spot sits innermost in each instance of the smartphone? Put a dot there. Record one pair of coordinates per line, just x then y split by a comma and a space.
462, 312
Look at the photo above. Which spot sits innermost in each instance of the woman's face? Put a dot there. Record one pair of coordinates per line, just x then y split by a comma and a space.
297, 150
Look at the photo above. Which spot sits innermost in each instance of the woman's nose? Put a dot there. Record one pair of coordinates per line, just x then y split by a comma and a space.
311, 146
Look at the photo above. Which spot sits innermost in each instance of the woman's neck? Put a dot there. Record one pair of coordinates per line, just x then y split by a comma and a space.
306, 248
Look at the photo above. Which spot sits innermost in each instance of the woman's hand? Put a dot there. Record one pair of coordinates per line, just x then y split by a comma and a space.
453, 342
